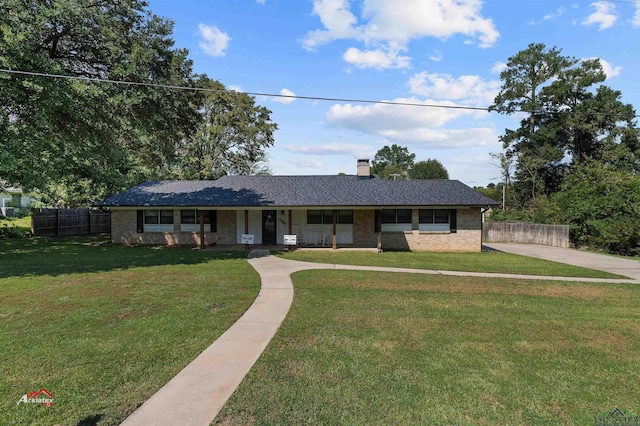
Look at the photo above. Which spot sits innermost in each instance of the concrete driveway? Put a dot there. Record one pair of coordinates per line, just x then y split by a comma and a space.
615, 265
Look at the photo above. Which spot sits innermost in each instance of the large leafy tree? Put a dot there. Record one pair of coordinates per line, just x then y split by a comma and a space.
78, 140
569, 117
231, 138
428, 169
393, 162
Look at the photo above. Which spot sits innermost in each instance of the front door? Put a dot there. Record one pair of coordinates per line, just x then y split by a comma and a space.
269, 227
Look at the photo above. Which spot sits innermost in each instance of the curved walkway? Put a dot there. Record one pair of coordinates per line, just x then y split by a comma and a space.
199, 391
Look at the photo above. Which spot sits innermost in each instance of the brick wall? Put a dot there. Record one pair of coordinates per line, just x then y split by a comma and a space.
124, 231
364, 234
467, 238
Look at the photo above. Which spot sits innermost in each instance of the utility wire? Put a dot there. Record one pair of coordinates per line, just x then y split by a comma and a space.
275, 95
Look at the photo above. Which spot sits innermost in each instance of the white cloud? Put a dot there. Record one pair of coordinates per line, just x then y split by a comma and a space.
636, 17
498, 67
604, 16
427, 18
386, 29
609, 69
378, 58
336, 18
411, 125
549, 16
444, 138
470, 89
436, 56
234, 87
333, 148
559, 12
260, 1
377, 118
213, 41
284, 92
311, 163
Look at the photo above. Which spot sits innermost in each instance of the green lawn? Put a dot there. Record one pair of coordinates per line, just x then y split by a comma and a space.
15, 226
492, 261
102, 327
360, 348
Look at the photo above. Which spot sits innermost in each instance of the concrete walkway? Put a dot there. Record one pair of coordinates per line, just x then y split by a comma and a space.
200, 390
615, 265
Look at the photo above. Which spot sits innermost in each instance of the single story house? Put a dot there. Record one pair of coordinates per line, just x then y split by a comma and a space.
334, 211
13, 202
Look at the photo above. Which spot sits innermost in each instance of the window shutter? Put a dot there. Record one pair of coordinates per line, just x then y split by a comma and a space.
377, 221
213, 220
140, 221
453, 220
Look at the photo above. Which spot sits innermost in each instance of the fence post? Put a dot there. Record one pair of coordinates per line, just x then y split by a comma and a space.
57, 222
89, 219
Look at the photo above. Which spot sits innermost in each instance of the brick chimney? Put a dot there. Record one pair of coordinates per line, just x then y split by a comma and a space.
364, 170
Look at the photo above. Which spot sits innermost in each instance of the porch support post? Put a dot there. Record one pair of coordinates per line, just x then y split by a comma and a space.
290, 230
246, 226
379, 226
201, 214
335, 239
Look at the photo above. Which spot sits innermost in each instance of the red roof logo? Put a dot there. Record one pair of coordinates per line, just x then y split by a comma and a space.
42, 396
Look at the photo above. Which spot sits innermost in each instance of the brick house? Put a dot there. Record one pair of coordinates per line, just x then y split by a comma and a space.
332, 211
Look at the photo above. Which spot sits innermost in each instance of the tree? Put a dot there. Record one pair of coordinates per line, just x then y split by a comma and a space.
429, 169
601, 203
231, 137
80, 140
525, 78
570, 115
492, 191
392, 161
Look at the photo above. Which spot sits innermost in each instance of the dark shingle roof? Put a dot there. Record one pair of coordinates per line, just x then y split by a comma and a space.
299, 191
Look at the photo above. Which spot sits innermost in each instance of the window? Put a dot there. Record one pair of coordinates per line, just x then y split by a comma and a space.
433, 216
325, 217
437, 220
345, 217
192, 217
190, 220
396, 216
158, 220
396, 220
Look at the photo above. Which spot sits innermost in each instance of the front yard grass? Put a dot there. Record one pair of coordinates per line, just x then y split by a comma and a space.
492, 261
102, 328
15, 226
378, 348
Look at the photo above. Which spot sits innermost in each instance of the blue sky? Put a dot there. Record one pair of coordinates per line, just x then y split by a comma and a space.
444, 52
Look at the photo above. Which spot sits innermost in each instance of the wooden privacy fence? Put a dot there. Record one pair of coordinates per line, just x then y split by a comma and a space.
60, 222
526, 233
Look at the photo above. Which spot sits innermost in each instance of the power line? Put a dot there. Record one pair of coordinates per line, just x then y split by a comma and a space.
275, 95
